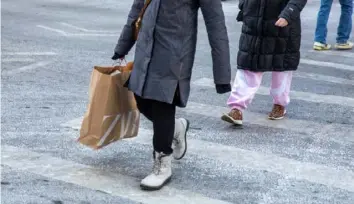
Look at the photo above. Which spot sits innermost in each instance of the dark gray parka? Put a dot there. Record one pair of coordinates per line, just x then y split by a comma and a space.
166, 47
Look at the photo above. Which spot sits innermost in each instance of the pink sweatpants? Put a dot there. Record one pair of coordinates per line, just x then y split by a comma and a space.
247, 83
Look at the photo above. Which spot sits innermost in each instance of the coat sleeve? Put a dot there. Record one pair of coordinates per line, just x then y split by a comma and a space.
218, 39
292, 10
126, 40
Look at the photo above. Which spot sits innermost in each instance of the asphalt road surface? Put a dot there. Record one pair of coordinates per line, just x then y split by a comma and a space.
48, 50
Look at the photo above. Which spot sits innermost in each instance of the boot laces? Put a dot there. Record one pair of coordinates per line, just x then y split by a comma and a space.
176, 138
176, 141
158, 164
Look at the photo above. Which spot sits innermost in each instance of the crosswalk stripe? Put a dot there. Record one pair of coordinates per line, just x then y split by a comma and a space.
299, 95
29, 53
319, 77
98, 179
257, 161
327, 64
339, 133
342, 134
303, 61
17, 60
334, 53
26, 68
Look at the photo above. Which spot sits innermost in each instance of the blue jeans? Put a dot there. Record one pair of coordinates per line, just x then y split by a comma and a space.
345, 22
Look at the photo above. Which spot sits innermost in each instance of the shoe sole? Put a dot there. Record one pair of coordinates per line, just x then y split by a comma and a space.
185, 142
155, 188
321, 48
229, 119
344, 48
274, 118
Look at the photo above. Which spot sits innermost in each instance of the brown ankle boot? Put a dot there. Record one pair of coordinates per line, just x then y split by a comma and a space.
277, 113
234, 117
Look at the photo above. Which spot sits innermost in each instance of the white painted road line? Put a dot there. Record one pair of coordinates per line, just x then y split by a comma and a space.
335, 53
53, 30
315, 98
326, 78
339, 133
29, 53
25, 68
342, 134
97, 179
304, 96
92, 35
256, 161
17, 60
87, 30
327, 64
64, 33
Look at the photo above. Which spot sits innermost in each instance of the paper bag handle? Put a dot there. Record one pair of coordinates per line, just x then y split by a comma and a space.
110, 69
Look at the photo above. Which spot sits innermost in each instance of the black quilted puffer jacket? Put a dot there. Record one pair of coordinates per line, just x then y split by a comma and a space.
264, 46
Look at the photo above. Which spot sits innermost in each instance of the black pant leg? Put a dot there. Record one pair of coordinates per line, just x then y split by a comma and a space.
144, 106
163, 115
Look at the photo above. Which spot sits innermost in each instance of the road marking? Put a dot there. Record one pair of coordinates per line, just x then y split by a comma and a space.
25, 68
87, 30
253, 160
326, 78
53, 30
334, 53
327, 64
92, 35
339, 133
29, 53
97, 179
66, 34
17, 60
304, 96
315, 98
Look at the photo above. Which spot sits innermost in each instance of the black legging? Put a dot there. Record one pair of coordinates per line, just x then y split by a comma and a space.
162, 115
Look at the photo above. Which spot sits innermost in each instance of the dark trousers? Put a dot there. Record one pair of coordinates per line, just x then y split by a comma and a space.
162, 116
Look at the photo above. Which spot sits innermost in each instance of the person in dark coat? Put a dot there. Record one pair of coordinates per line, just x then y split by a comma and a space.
164, 57
270, 42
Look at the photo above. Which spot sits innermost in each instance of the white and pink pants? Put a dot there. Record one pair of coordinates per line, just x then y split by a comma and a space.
247, 83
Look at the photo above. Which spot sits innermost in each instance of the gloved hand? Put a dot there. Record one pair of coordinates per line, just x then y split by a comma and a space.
239, 16
117, 56
223, 88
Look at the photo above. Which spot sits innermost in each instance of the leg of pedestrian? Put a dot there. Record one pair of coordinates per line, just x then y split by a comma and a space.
162, 116
321, 27
345, 25
167, 131
244, 89
280, 89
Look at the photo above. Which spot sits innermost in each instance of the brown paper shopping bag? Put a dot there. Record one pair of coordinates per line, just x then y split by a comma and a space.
112, 113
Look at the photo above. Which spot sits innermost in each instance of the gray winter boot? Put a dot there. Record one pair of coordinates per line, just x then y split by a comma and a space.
179, 144
161, 173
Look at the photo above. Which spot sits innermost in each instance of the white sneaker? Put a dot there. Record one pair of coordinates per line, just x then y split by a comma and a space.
161, 173
179, 144
344, 46
321, 46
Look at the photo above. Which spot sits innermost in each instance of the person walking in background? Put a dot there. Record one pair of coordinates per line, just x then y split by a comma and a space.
270, 41
344, 27
161, 75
